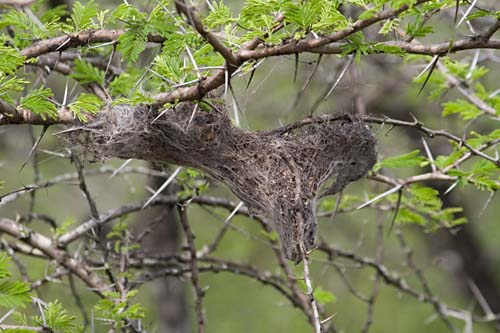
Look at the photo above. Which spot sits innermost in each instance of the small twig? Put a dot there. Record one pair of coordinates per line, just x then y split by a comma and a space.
376, 283
310, 291
213, 246
440, 310
194, 268
83, 187
337, 206
78, 300
480, 298
210, 37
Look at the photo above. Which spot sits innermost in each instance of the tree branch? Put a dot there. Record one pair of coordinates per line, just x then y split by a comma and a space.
113, 214
209, 36
12, 116
45, 245
417, 48
306, 45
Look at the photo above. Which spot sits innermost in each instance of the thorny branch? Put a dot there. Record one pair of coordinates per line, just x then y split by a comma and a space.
234, 59
44, 244
190, 263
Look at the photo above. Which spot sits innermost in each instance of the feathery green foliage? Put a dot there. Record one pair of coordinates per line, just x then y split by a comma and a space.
10, 60
406, 160
12, 293
85, 73
57, 319
11, 85
38, 101
82, 16
85, 104
116, 310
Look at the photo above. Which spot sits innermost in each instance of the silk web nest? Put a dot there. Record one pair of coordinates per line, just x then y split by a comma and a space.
278, 173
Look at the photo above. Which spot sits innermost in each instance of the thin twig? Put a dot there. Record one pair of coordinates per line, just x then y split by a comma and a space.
310, 291
198, 292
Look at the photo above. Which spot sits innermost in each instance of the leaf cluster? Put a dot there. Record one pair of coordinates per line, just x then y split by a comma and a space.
13, 293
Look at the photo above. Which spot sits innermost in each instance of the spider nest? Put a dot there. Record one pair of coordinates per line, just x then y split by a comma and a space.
278, 173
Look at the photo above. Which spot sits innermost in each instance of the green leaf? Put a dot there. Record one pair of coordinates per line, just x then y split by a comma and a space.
14, 293
129, 13
119, 230
402, 161
83, 15
443, 161
323, 296
484, 183
178, 41
405, 215
169, 67
57, 319
38, 102
484, 168
123, 85
254, 11
205, 56
417, 29
389, 26
85, 104
26, 27
330, 19
136, 99
69, 221
219, 16
10, 85
20, 318
4, 266
399, 3
117, 311
466, 110
133, 42
426, 196
162, 20
368, 13
10, 60
387, 49
54, 14
463, 70
303, 14
85, 73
